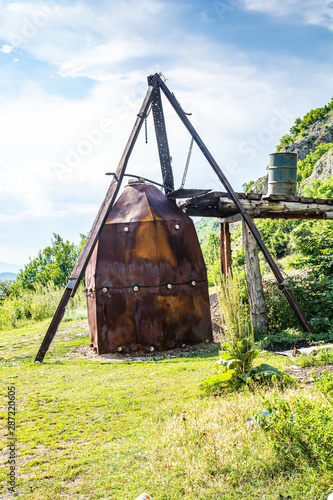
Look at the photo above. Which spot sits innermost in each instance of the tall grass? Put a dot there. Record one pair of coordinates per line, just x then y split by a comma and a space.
17, 310
234, 314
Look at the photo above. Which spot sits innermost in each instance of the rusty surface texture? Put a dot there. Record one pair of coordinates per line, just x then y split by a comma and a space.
146, 281
282, 174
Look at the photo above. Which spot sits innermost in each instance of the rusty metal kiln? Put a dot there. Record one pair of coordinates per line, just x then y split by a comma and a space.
146, 281
145, 273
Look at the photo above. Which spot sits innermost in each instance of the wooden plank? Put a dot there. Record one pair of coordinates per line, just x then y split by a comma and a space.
280, 197
252, 196
227, 205
254, 282
303, 199
97, 227
320, 201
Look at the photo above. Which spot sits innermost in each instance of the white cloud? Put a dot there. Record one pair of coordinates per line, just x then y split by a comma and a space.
316, 12
6, 49
55, 150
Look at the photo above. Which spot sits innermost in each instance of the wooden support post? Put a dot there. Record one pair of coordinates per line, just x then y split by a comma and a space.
254, 281
225, 249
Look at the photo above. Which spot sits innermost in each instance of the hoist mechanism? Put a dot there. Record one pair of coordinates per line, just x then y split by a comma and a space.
153, 100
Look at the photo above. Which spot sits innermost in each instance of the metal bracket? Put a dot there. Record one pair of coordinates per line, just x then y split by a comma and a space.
283, 285
71, 283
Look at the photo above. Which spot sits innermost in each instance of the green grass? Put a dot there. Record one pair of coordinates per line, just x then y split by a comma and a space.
322, 357
89, 430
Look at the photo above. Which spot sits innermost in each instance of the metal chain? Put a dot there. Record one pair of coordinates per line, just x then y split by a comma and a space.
187, 164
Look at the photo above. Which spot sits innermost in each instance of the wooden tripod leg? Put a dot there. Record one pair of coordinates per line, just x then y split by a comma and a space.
97, 226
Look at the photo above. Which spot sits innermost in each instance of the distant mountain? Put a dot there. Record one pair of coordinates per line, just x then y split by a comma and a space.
8, 276
6, 267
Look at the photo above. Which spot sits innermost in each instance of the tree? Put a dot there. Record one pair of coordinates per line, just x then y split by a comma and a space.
314, 241
5, 287
53, 264
211, 249
276, 234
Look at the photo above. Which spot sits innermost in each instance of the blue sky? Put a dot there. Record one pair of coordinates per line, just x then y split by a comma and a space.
73, 76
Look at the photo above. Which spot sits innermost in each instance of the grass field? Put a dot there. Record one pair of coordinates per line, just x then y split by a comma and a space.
91, 430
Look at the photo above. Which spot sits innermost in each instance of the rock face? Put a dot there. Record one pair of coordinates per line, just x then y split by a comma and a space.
260, 185
323, 169
319, 132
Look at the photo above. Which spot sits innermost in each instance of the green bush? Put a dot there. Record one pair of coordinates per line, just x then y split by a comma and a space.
301, 431
319, 188
315, 297
322, 357
305, 167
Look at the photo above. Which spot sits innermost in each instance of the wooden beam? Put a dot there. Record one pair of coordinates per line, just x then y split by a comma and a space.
225, 250
262, 209
283, 207
254, 282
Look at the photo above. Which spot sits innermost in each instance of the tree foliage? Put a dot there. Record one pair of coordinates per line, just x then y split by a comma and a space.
276, 234
319, 189
5, 287
53, 264
305, 167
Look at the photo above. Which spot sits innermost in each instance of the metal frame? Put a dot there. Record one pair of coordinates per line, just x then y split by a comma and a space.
155, 83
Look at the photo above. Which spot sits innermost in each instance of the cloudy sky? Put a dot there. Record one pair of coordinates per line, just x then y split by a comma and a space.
73, 76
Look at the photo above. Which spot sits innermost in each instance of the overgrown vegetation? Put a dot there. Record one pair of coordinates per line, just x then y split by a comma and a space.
315, 297
318, 358
301, 430
236, 360
36, 292
37, 304
305, 167
309, 247
300, 127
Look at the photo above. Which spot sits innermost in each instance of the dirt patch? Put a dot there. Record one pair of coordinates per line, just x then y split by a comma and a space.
304, 373
87, 352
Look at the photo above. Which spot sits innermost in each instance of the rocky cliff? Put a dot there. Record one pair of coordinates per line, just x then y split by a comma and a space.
322, 170
306, 142
318, 133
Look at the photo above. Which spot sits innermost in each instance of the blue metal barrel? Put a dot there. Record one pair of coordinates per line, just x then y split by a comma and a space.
282, 173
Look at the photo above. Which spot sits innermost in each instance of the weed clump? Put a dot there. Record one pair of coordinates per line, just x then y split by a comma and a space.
236, 360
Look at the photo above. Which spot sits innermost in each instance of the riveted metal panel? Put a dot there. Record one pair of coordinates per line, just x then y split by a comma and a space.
149, 278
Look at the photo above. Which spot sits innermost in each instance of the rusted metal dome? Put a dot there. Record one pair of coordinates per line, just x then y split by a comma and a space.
146, 280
